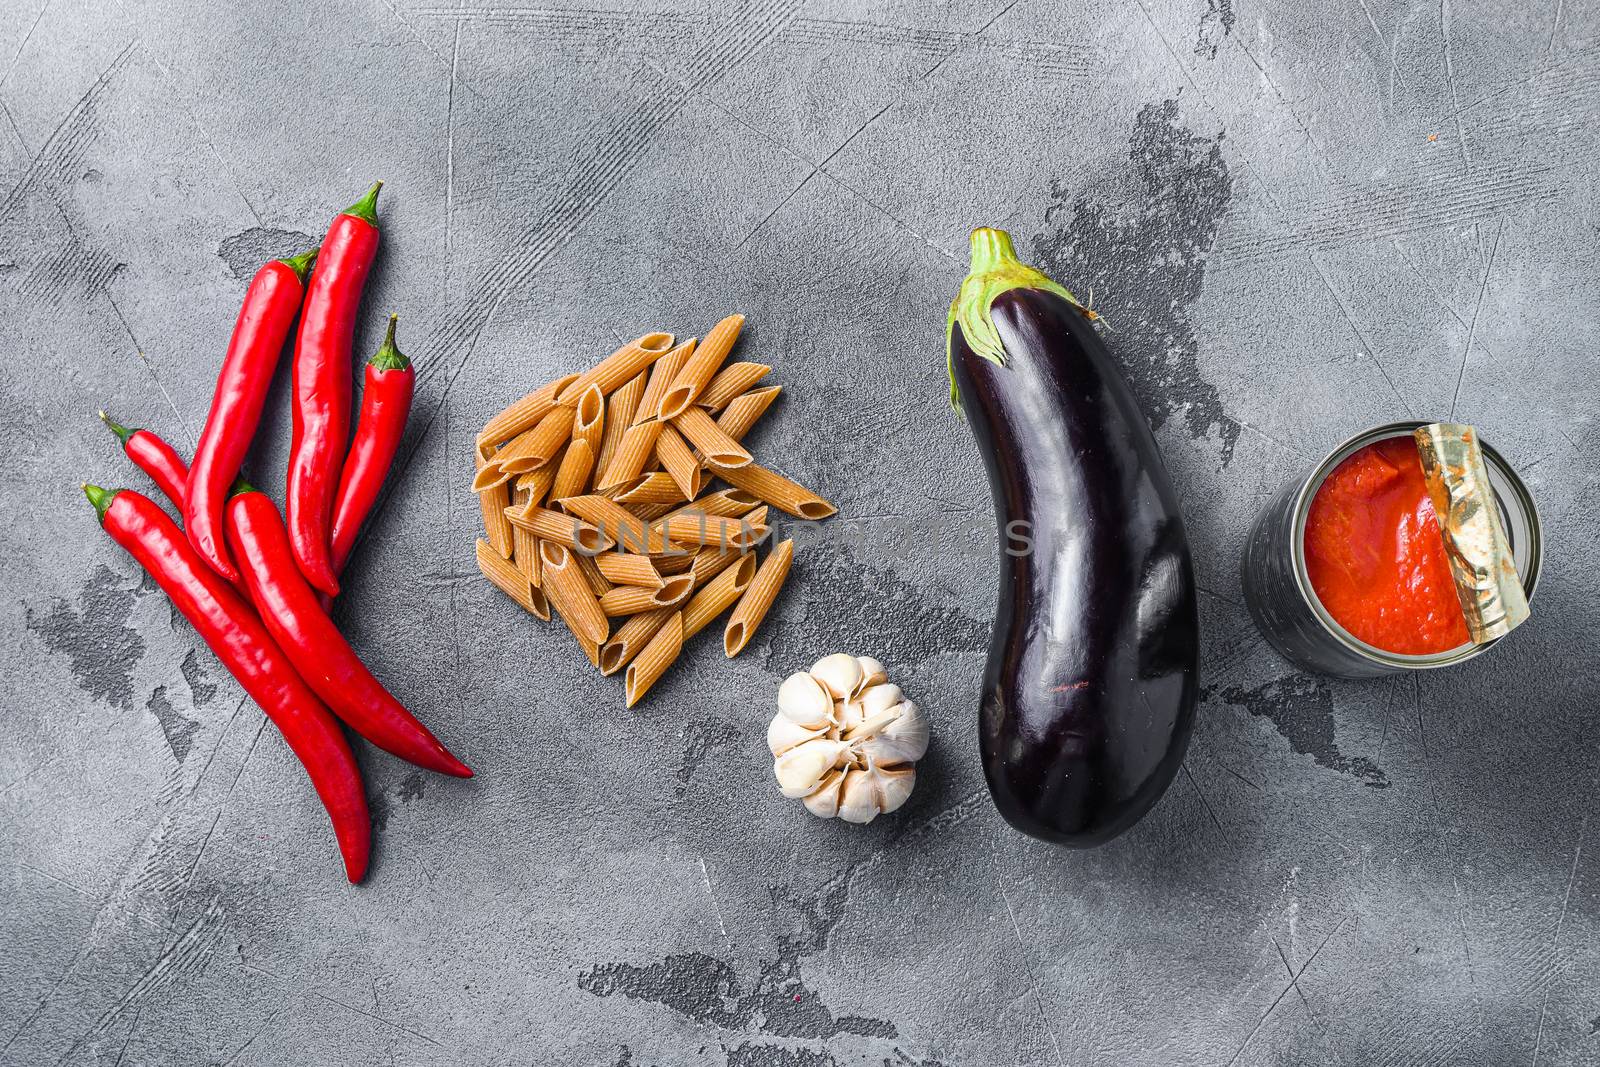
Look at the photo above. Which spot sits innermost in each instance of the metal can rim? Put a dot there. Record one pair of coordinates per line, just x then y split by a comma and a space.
1302, 577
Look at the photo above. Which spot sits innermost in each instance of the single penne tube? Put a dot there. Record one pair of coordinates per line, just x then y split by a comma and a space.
756, 521
775, 489
652, 512
654, 659
524, 414
679, 460
629, 568
621, 406
539, 445
698, 528
537, 482
662, 375
727, 503
677, 563
568, 530
701, 367
627, 531
631, 637
571, 596
731, 381
632, 599
510, 581
743, 411
599, 584
589, 418
572, 477
525, 553
701, 431
710, 562
493, 501
638, 444
541, 608
717, 595
656, 487
611, 373
757, 599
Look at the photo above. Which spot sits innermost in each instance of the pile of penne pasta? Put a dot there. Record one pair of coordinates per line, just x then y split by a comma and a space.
598, 502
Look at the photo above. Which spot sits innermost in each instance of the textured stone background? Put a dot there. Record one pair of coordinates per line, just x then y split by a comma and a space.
1301, 218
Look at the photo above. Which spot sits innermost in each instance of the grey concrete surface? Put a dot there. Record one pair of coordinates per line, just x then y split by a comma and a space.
1300, 218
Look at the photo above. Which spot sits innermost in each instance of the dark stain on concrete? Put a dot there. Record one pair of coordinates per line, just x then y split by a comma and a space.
702, 737
100, 646
854, 608
381, 804
777, 1003
1144, 265
748, 1055
201, 688
411, 787
247, 251
1301, 709
1216, 22
177, 727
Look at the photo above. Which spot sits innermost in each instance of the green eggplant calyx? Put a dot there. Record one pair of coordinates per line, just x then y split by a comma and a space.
995, 270
388, 356
366, 208
100, 498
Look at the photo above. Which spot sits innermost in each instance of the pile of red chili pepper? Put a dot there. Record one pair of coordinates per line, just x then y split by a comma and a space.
256, 589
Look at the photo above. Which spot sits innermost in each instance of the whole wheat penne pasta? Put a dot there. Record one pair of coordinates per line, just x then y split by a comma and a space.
700, 430
710, 562
654, 488
727, 503
589, 417
541, 606
700, 367
626, 530
662, 376
675, 455
731, 381
599, 584
537, 446
621, 406
512, 582
525, 553
652, 512
632, 599
572, 477
653, 661
567, 530
756, 522
570, 594
537, 482
628, 568
757, 599
775, 489
638, 444
524, 414
743, 411
691, 528
493, 501
611, 373
677, 563
715, 597
631, 637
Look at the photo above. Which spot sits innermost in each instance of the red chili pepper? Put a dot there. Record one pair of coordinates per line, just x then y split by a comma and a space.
230, 627
321, 423
385, 404
269, 308
155, 457
289, 607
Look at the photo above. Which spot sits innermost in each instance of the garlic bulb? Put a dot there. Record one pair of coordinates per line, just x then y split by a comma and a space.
845, 738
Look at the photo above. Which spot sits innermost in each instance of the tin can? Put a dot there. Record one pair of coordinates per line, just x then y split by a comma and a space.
1277, 586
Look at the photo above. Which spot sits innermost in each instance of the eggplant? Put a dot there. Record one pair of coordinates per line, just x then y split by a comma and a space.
1089, 691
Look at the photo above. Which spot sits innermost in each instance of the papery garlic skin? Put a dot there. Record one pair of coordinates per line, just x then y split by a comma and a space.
845, 739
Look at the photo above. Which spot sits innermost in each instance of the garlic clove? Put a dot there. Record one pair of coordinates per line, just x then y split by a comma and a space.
894, 787
802, 700
801, 769
877, 699
824, 803
839, 674
905, 740
875, 790
784, 733
872, 672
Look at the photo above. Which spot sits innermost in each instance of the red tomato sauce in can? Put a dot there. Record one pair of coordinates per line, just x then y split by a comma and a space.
1375, 555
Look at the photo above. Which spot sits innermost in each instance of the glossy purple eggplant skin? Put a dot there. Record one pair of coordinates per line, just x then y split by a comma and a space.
1089, 694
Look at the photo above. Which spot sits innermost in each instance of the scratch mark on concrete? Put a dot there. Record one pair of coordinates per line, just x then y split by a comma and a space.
716, 909
1293, 983
1450, 76
1027, 961
1472, 329
1366, 342
1555, 945
34, 25
1201, 793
